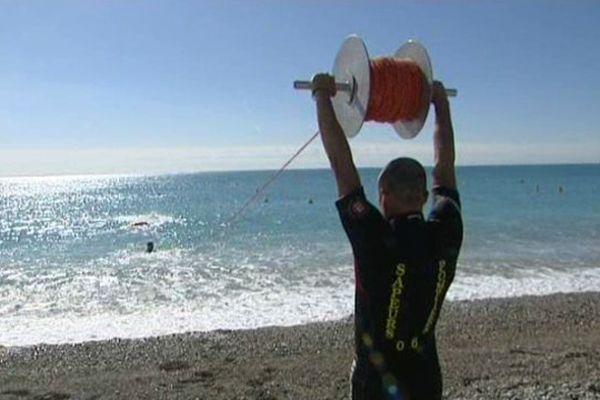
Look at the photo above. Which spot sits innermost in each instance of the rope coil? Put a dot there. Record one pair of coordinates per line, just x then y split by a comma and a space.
398, 90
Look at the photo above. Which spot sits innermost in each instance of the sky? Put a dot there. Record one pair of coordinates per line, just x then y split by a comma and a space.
113, 86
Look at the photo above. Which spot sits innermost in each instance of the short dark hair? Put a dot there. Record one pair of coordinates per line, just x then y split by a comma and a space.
404, 178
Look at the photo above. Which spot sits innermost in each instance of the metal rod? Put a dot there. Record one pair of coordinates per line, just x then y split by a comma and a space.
307, 85
346, 87
451, 92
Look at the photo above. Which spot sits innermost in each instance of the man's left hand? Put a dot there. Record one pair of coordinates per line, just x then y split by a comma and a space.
323, 85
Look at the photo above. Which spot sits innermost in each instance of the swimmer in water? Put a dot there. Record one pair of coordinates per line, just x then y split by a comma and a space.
149, 247
139, 224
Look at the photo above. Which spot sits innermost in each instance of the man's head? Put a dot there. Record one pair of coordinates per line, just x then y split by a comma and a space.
402, 187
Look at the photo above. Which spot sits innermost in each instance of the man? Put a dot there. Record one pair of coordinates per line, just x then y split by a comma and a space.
404, 264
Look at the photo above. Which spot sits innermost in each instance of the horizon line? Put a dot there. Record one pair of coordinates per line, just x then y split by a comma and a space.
300, 168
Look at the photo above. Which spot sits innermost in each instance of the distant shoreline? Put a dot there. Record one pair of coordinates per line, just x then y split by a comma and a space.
528, 347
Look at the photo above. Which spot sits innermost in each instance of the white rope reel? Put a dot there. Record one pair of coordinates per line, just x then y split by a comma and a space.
352, 74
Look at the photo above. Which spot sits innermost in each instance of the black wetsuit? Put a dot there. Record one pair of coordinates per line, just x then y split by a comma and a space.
403, 269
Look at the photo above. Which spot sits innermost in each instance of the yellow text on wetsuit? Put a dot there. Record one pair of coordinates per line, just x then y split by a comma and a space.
439, 289
394, 306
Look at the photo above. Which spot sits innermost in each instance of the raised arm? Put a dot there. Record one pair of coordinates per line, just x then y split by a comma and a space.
334, 141
443, 140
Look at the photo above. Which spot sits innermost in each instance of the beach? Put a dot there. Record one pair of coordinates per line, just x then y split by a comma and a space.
515, 348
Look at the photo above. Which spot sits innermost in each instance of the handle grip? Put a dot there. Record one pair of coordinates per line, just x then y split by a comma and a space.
451, 92
307, 85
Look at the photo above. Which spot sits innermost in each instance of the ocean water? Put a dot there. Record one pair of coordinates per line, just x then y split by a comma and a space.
73, 265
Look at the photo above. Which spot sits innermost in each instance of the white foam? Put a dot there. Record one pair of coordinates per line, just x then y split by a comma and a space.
133, 294
247, 310
537, 282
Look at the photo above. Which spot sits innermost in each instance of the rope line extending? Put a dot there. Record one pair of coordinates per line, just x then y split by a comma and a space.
271, 179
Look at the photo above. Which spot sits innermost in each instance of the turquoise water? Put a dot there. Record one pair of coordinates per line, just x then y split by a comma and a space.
73, 268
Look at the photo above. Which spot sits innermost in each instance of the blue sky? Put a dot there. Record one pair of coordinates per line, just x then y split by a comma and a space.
166, 86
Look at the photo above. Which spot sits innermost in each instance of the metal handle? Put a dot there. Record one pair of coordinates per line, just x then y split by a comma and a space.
346, 87
307, 85
451, 92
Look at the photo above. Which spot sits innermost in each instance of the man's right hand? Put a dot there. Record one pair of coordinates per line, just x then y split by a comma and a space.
323, 85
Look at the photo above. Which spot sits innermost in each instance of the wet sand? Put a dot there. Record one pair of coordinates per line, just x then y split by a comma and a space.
522, 348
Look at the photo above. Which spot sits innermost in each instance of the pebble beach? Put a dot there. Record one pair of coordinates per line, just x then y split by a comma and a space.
545, 347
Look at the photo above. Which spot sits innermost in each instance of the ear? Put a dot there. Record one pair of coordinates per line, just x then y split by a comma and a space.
424, 198
383, 199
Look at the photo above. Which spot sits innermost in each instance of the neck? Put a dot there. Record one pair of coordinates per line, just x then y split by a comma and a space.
400, 213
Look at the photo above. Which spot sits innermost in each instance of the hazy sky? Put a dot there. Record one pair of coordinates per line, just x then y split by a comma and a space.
165, 86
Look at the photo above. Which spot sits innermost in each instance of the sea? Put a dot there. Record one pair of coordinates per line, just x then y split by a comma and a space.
74, 266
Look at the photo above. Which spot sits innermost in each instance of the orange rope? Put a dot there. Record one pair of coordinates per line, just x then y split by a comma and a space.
397, 90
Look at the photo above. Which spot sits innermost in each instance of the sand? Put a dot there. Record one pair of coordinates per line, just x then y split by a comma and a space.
521, 348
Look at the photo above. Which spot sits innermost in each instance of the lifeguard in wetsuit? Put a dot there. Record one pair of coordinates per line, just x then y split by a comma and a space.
404, 263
